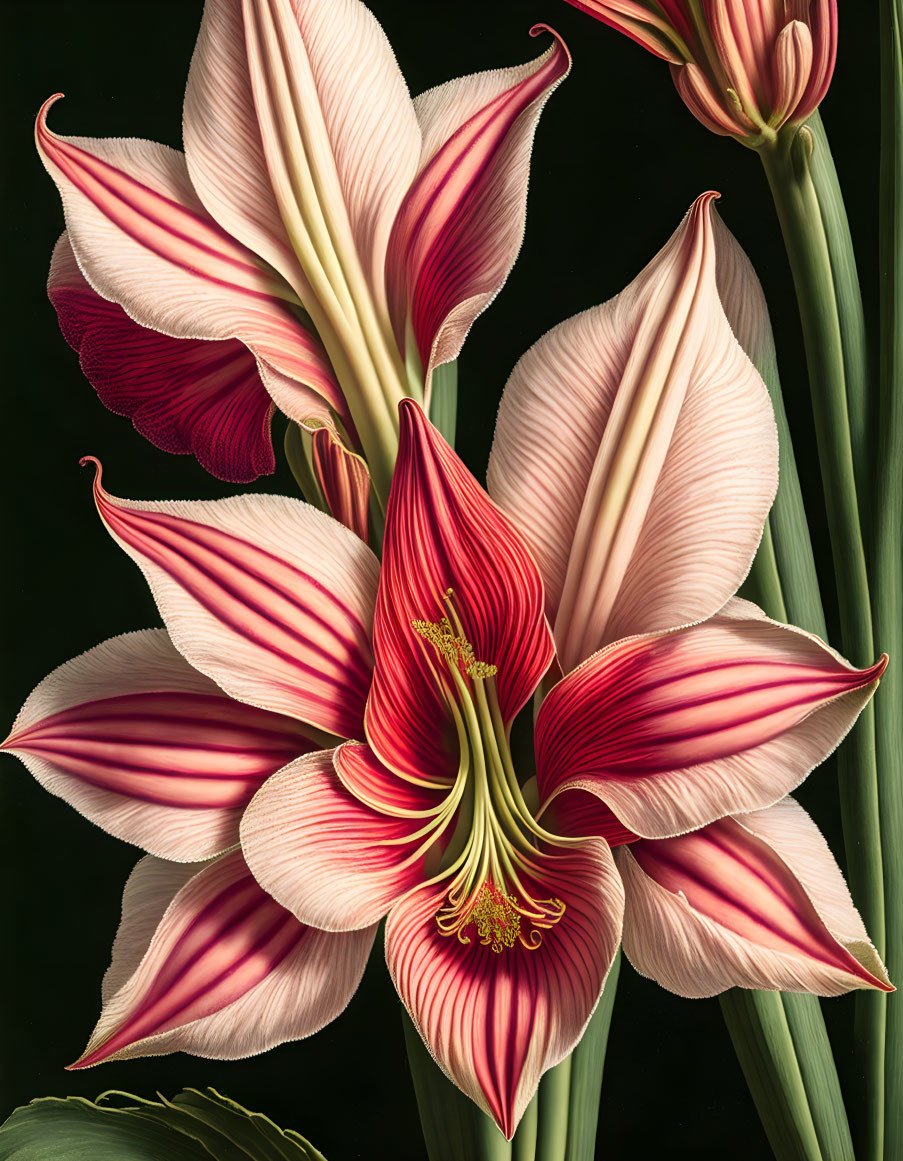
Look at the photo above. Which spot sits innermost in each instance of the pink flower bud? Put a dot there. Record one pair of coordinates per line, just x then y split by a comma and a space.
744, 68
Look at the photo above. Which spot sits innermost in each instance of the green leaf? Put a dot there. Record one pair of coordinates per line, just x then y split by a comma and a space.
195, 1126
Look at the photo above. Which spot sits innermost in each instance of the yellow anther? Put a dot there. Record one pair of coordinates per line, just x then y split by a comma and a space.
454, 647
496, 918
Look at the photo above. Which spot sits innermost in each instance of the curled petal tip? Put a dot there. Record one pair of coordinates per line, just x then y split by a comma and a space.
41, 119
539, 29
98, 472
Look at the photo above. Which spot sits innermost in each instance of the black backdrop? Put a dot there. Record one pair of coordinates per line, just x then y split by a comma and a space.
617, 161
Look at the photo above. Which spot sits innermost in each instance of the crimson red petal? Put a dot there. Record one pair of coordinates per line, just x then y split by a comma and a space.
187, 396
443, 532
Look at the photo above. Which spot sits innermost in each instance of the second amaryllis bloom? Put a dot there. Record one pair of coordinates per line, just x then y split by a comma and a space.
314, 227
674, 747
744, 68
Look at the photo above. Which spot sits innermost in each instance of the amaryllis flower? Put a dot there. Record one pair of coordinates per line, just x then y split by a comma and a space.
333, 237
744, 68
504, 909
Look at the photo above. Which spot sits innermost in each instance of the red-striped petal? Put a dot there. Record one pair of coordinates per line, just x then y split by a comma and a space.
635, 20
143, 240
266, 595
754, 902
336, 858
675, 730
443, 532
344, 480
204, 962
495, 1022
150, 749
186, 396
461, 225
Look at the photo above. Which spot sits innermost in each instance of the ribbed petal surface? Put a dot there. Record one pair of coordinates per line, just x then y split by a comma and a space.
268, 596
755, 902
656, 451
461, 225
675, 730
300, 134
143, 240
495, 1022
184, 395
443, 532
204, 962
344, 480
150, 749
337, 858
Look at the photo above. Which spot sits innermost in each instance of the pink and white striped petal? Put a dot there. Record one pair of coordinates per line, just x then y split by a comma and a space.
344, 480
657, 448
755, 901
323, 852
495, 1022
143, 240
148, 748
204, 962
461, 225
187, 396
443, 532
637, 21
675, 730
268, 596
298, 124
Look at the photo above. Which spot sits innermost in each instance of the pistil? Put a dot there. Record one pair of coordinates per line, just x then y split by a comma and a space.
493, 853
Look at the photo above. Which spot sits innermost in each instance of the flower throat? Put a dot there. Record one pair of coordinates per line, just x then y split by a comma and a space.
492, 861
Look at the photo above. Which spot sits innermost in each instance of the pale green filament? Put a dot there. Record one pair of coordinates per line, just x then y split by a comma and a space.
493, 850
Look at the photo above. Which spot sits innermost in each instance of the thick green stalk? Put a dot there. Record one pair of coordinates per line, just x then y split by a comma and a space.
787, 165
764, 1046
887, 560
851, 315
553, 1098
793, 594
587, 1065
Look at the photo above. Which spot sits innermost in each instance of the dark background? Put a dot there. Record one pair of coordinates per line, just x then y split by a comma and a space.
617, 161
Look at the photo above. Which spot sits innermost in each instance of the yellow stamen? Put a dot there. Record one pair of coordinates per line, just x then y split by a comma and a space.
496, 918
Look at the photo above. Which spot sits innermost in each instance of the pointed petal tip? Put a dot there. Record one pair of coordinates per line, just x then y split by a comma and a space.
540, 28
41, 119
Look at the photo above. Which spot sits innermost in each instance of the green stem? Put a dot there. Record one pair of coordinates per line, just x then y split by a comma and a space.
763, 585
554, 1098
887, 554
587, 1066
851, 315
787, 166
762, 1041
796, 596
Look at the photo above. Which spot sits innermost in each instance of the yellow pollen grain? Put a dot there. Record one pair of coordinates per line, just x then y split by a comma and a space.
496, 918
454, 648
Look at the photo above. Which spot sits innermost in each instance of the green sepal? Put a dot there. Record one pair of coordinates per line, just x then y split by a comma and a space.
195, 1126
